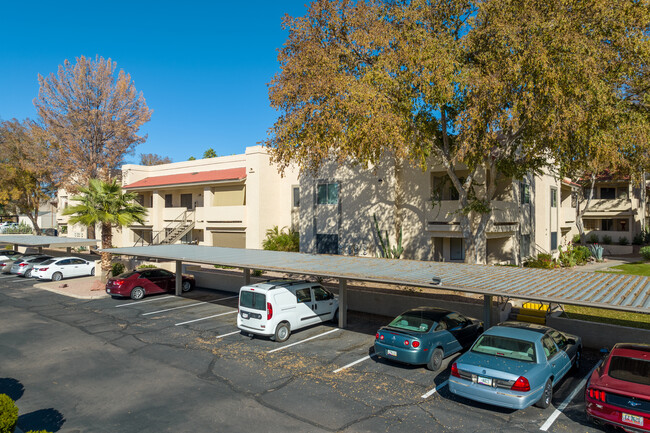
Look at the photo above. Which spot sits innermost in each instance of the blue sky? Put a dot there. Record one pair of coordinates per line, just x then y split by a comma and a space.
202, 66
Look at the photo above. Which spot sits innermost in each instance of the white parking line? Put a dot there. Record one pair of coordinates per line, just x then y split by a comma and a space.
174, 308
206, 318
142, 302
551, 419
305, 340
225, 335
434, 390
365, 358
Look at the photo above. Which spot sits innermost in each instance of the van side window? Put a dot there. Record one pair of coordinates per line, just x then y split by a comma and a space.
303, 295
321, 294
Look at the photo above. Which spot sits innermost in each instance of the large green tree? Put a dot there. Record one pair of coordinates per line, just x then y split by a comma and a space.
481, 87
25, 172
106, 204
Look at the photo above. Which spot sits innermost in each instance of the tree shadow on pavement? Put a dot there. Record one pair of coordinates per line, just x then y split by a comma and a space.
50, 420
13, 388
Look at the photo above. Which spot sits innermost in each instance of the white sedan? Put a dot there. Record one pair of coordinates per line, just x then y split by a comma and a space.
58, 268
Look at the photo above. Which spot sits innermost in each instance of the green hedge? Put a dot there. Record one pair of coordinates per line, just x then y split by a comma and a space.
117, 269
645, 252
8, 414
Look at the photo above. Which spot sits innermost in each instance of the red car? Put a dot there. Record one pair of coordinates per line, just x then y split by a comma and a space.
136, 284
618, 392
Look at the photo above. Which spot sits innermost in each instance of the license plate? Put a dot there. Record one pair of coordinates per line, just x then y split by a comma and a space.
633, 419
484, 380
108, 290
244, 315
391, 352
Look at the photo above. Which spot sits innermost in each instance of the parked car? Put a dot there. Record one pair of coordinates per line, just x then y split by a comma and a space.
5, 265
56, 269
275, 308
9, 254
515, 365
426, 335
24, 266
141, 282
7, 225
618, 392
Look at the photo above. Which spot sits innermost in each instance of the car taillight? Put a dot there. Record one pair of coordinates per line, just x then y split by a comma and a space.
377, 336
22, 264
406, 342
597, 394
521, 384
416, 344
118, 282
269, 311
2, 265
42, 269
454, 370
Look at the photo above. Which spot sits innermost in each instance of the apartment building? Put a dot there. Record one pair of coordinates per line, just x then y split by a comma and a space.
339, 203
228, 201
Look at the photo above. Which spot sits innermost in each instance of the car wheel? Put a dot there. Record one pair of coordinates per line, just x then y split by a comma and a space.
186, 286
547, 395
577, 361
435, 362
335, 317
28, 273
92, 272
282, 332
57, 276
137, 293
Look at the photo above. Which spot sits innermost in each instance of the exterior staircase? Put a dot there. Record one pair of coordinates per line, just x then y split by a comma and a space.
530, 312
177, 233
175, 230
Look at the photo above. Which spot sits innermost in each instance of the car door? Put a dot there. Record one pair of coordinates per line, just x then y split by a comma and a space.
565, 346
322, 302
452, 326
305, 307
78, 267
460, 328
556, 359
151, 281
65, 267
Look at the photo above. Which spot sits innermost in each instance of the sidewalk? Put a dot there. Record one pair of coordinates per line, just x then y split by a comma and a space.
607, 262
81, 288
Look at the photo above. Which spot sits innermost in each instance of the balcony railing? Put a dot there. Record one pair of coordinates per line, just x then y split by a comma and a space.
610, 205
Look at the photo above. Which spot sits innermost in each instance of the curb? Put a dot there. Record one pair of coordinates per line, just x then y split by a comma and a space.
53, 287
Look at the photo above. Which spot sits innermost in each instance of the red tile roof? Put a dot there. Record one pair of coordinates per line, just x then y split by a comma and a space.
185, 178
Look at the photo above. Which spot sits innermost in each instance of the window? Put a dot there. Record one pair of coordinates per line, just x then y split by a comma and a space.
454, 320
256, 301
559, 339
621, 225
321, 294
168, 200
296, 196
553, 197
607, 224
549, 347
328, 193
630, 369
327, 244
524, 188
591, 224
457, 249
525, 245
553, 240
453, 193
139, 199
303, 295
608, 193
186, 201
622, 193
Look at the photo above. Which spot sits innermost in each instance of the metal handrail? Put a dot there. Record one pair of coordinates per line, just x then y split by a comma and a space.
161, 235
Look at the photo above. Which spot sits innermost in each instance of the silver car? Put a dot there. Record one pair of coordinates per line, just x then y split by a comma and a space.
24, 267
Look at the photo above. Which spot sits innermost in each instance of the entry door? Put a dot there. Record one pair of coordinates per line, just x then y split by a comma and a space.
322, 303
305, 307
186, 201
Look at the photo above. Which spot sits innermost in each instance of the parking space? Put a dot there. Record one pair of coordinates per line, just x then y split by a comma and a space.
321, 379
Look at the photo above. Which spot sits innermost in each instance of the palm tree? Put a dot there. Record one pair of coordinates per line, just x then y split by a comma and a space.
105, 203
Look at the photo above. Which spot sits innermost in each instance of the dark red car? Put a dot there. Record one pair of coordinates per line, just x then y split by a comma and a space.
618, 392
136, 284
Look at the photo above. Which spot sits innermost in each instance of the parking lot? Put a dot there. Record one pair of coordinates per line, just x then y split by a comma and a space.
179, 364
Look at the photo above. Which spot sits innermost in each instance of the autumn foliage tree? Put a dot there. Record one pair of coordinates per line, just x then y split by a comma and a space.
25, 171
153, 159
487, 87
93, 117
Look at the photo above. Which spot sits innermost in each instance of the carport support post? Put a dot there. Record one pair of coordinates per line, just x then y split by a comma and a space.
343, 303
68, 250
179, 277
40, 249
247, 276
487, 311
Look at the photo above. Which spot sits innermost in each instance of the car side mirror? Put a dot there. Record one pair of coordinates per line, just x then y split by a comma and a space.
571, 340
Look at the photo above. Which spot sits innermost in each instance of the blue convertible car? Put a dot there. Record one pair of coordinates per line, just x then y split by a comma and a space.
426, 335
515, 365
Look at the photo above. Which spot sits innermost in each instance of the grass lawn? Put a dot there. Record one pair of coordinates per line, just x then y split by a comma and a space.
622, 318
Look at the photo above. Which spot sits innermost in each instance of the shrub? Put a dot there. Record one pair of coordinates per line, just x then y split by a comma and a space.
257, 272
593, 238
645, 252
544, 261
566, 258
638, 239
117, 268
147, 266
8, 414
281, 240
582, 254
607, 240
576, 239
622, 240
646, 237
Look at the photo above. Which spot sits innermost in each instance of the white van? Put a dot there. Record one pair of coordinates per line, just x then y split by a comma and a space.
275, 308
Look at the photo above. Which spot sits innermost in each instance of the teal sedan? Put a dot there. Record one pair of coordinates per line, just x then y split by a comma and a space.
515, 365
425, 336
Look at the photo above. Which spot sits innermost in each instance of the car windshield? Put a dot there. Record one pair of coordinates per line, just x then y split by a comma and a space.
412, 321
630, 370
256, 301
125, 275
505, 347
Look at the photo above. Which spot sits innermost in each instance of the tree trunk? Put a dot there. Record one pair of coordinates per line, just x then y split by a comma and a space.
481, 239
580, 212
37, 229
107, 240
397, 203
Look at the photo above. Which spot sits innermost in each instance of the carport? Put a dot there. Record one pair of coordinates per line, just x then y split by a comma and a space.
611, 291
46, 241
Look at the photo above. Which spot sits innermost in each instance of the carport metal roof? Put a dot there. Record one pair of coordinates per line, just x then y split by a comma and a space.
45, 241
612, 291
